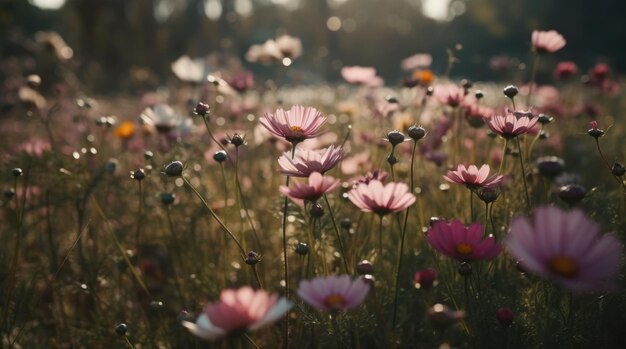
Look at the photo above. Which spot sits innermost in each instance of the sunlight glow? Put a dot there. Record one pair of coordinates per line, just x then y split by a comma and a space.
436, 9
48, 4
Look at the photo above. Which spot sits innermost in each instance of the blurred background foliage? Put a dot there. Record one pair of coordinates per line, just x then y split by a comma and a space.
123, 46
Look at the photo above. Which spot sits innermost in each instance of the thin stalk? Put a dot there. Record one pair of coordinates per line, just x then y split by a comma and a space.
16, 254
225, 192
606, 163
238, 199
219, 221
249, 339
521, 162
343, 250
139, 215
533, 75
206, 123
471, 203
506, 143
130, 345
380, 238
286, 262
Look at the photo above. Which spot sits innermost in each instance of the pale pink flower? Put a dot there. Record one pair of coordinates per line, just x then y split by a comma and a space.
162, 117
240, 309
417, 61
333, 293
317, 186
473, 177
381, 199
450, 94
547, 41
462, 243
306, 162
509, 126
289, 46
358, 75
295, 125
566, 247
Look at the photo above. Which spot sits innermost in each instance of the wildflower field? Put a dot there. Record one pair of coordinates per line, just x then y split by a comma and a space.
228, 209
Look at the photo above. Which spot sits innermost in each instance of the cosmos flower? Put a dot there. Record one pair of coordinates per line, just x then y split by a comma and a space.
566, 247
358, 75
564, 70
462, 243
510, 126
417, 61
162, 117
547, 41
317, 186
294, 125
238, 309
333, 293
381, 199
473, 177
450, 94
306, 162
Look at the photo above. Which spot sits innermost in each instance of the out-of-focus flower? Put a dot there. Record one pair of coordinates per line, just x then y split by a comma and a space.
284, 47
294, 125
473, 177
377, 175
242, 82
306, 162
463, 244
547, 41
289, 46
358, 75
380, 198
504, 316
125, 130
238, 309
425, 278
31, 97
509, 126
54, 42
566, 247
417, 61
192, 70
442, 316
333, 293
422, 77
450, 94
564, 70
317, 186
162, 117
500, 63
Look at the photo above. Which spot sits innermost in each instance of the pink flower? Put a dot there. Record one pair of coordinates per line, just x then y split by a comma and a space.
417, 61
236, 310
567, 248
296, 124
547, 41
306, 162
358, 75
564, 70
450, 94
509, 126
461, 243
473, 177
381, 199
378, 175
333, 293
318, 185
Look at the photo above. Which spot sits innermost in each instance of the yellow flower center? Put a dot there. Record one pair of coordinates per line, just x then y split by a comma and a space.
334, 301
563, 266
296, 128
464, 249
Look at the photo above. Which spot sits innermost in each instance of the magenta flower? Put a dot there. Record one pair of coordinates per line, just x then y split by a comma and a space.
318, 185
306, 162
358, 75
295, 125
567, 248
381, 199
473, 177
547, 41
509, 126
461, 243
333, 293
241, 309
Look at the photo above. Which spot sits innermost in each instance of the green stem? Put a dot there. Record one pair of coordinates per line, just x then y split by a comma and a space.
521, 162
139, 215
206, 123
219, 221
506, 143
286, 262
343, 250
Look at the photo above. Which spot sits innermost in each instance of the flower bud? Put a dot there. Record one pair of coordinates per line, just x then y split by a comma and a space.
220, 156
365, 267
201, 109
430, 91
138, 174
167, 198
510, 91
465, 269
594, 131
544, 119
416, 132
302, 248
488, 194
252, 258
345, 223
237, 140
572, 193
391, 99
392, 159
121, 329
479, 94
9, 193
618, 169
316, 210
155, 306
17, 172
395, 137
504, 316
550, 166
148, 155
425, 278
174, 169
